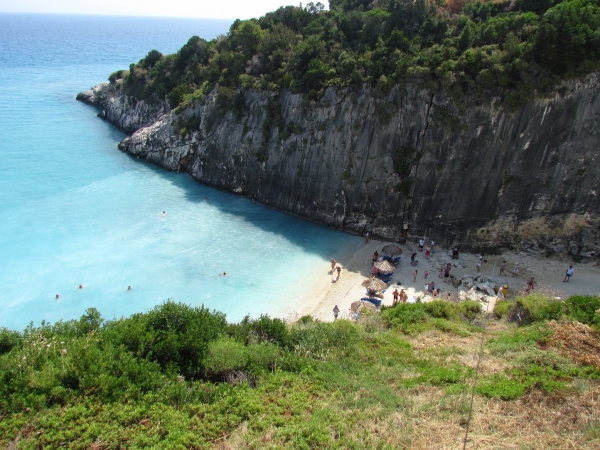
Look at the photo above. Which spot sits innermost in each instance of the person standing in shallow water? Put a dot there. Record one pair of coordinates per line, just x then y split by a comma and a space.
336, 312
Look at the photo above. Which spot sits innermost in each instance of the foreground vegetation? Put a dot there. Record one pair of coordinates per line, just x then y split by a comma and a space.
478, 50
183, 377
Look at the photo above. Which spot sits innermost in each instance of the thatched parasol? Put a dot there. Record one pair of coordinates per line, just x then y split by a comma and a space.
374, 284
392, 250
384, 267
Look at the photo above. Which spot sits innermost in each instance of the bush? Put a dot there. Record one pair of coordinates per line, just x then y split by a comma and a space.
172, 334
404, 313
503, 307
225, 355
322, 340
537, 308
263, 329
470, 309
8, 340
584, 309
441, 309
263, 357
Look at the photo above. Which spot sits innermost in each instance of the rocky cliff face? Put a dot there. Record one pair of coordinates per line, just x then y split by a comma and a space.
403, 161
126, 113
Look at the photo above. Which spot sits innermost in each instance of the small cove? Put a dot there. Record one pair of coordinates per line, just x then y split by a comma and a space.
74, 210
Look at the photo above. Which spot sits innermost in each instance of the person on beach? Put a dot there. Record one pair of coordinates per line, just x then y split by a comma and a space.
502, 268
569, 274
426, 273
339, 271
336, 311
428, 252
421, 244
447, 274
500, 295
531, 284
415, 275
515, 272
367, 237
432, 245
403, 296
479, 265
441, 274
396, 295
333, 263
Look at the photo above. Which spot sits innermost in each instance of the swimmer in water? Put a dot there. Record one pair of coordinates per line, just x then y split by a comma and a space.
164, 213
57, 296
81, 286
129, 288
224, 274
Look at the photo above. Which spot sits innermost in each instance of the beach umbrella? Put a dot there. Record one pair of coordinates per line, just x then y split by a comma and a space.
392, 250
385, 267
374, 284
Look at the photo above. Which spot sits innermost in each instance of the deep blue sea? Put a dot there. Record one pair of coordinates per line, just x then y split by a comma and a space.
75, 210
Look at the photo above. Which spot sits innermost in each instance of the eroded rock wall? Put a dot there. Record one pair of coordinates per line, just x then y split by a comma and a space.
360, 160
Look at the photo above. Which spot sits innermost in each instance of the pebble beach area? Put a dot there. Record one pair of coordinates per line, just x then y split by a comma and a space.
356, 267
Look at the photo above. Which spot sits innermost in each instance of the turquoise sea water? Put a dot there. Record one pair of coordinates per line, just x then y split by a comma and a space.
74, 210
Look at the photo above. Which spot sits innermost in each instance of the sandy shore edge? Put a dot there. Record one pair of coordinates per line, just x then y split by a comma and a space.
324, 294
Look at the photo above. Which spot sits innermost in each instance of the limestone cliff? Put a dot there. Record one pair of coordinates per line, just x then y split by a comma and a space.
361, 159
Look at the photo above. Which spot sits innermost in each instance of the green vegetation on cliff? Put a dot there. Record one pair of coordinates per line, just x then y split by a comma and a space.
479, 50
183, 377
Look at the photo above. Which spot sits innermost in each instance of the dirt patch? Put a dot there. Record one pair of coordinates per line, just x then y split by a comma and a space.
576, 341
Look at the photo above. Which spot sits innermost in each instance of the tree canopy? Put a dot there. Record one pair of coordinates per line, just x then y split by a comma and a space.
478, 49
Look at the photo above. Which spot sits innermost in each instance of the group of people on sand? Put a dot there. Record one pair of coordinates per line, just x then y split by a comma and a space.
399, 297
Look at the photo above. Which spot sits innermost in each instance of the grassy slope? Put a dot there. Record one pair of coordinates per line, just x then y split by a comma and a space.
382, 389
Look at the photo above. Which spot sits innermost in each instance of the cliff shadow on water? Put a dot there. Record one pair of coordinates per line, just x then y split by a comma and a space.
296, 230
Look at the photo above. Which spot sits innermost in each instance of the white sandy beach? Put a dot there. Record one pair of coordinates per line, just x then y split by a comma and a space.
356, 267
